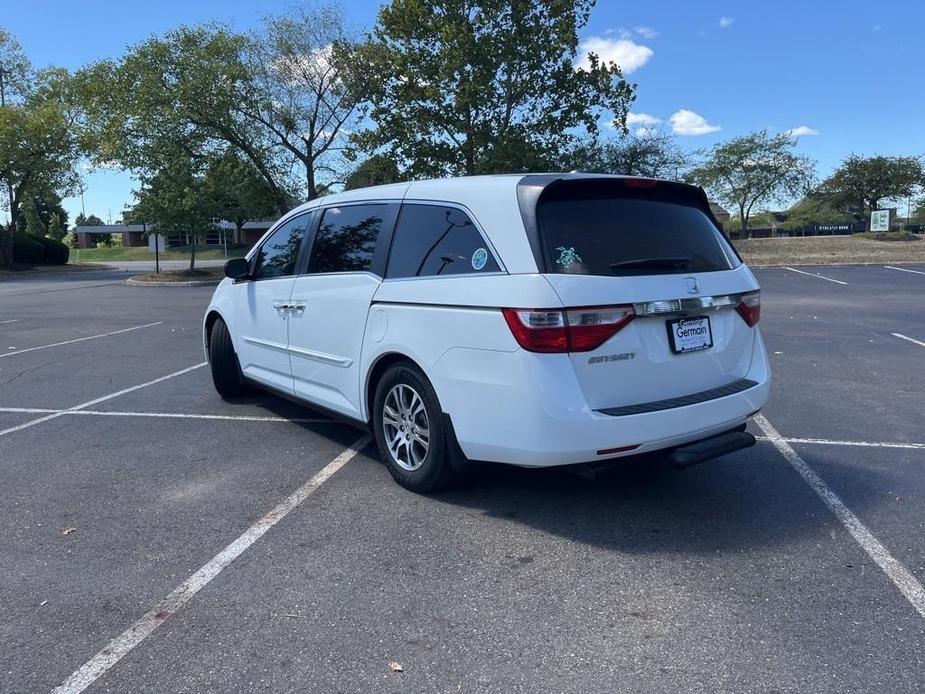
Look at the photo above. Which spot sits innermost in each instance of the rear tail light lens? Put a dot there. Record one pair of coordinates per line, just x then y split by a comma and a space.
749, 307
569, 330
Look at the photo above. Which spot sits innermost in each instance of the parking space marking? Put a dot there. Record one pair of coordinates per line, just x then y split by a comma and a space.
908, 339
12, 320
813, 274
116, 649
167, 415
80, 339
90, 403
902, 269
862, 444
907, 584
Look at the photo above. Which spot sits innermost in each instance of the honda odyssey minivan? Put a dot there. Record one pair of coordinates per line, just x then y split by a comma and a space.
534, 320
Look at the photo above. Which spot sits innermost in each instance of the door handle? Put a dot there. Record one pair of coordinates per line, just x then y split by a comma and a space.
298, 307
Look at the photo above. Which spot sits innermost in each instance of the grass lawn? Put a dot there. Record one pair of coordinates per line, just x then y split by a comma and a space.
116, 253
829, 250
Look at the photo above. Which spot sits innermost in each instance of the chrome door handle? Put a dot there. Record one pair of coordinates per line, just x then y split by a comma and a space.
298, 307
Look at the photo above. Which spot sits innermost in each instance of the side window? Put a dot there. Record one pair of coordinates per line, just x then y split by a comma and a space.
346, 238
435, 240
277, 255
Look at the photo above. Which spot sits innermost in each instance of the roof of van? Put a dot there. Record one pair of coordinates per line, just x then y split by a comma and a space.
456, 189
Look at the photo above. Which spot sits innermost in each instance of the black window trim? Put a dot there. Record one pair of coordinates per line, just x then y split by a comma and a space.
475, 223
383, 243
255, 251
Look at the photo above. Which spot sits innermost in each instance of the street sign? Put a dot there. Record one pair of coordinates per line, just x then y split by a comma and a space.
880, 220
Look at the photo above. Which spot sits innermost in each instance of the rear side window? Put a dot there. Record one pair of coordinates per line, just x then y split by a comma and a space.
435, 240
346, 238
277, 255
607, 228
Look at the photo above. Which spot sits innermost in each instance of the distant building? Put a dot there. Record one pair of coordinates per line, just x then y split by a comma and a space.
722, 216
134, 234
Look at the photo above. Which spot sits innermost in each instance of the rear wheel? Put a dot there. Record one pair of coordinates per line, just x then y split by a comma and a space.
410, 432
226, 373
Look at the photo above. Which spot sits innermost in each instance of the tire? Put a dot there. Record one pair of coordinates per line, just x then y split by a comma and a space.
223, 362
412, 465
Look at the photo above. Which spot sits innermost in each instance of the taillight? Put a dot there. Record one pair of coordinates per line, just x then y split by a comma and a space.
749, 307
568, 330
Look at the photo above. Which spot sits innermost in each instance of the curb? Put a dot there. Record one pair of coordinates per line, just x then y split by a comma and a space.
188, 283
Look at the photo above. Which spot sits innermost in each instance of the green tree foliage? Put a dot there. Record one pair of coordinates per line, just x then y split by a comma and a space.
34, 226
864, 183
56, 230
177, 198
38, 148
237, 191
754, 170
88, 221
377, 170
280, 97
485, 86
815, 210
651, 156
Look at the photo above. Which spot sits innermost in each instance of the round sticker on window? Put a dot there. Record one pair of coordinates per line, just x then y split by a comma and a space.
479, 258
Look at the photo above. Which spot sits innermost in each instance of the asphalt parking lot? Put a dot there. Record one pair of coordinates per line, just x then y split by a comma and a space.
156, 538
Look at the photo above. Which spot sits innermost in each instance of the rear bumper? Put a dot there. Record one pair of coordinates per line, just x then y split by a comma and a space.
510, 407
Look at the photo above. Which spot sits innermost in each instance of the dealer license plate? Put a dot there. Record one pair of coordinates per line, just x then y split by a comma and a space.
690, 334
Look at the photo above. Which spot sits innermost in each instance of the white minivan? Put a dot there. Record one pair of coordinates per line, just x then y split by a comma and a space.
534, 320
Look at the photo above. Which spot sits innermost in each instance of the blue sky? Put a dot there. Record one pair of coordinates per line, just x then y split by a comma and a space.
850, 71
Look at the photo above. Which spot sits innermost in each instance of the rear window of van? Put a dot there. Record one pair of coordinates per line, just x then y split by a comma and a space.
606, 227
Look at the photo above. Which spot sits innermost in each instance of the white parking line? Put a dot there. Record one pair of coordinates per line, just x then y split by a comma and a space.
80, 339
908, 339
90, 403
167, 415
813, 274
907, 584
862, 444
903, 269
12, 320
97, 666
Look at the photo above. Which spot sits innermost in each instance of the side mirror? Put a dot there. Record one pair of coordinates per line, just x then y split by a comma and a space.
237, 269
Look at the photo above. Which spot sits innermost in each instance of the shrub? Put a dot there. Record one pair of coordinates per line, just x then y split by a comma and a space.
888, 236
27, 250
55, 252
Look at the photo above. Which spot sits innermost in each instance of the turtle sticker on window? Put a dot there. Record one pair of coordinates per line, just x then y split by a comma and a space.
567, 256
479, 258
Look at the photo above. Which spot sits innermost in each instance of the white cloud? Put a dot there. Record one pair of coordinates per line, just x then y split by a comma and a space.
641, 119
801, 131
626, 53
645, 131
725, 22
686, 122
646, 32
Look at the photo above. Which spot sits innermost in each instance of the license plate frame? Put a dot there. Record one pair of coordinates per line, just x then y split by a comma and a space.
686, 344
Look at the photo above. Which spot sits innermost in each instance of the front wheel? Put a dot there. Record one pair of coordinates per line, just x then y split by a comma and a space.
223, 362
409, 428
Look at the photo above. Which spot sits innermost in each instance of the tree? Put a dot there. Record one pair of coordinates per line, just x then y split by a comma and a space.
754, 170
309, 82
864, 183
33, 225
485, 86
38, 142
176, 198
91, 221
55, 229
237, 191
651, 156
377, 170
280, 97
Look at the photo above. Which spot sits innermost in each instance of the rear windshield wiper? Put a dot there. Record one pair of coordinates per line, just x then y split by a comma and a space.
651, 264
